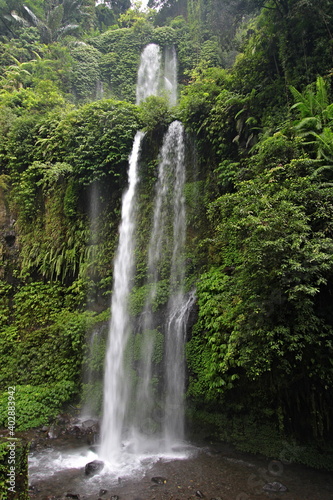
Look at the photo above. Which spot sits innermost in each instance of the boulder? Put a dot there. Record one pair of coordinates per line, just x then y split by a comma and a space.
90, 424
93, 467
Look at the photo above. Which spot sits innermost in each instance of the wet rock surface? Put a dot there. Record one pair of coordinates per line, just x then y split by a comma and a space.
93, 467
213, 474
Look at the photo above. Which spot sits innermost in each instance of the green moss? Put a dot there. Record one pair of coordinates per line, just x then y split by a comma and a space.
140, 294
36, 405
135, 348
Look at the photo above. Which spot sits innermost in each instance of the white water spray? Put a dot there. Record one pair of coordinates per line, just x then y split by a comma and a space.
167, 242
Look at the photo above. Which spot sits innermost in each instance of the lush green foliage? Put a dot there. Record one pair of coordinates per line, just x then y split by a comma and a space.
21, 469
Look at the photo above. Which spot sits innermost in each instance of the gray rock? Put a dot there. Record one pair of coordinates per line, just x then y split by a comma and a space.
88, 424
74, 431
199, 494
93, 467
53, 432
275, 487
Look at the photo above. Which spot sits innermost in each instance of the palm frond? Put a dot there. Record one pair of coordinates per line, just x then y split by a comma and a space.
34, 19
66, 29
19, 19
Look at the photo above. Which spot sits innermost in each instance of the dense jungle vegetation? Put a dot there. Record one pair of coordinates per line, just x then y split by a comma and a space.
256, 102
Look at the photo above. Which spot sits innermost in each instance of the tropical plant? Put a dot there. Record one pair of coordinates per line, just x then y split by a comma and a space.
315, 119
16, 75
60, 19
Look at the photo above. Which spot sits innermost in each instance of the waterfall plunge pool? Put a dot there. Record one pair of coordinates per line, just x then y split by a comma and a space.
59, 470
215, 471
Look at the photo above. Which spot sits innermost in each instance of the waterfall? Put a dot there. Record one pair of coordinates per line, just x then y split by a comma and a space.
116, 380
173, 152
151, 81
171, 155
148, 73
170, 74
167, 241
116, 383
154, 391
180, 306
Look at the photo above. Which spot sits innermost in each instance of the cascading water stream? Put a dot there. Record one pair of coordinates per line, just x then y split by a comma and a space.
157, 243
180, 306
169, 212
116, 384
116, 380
149, 73
177, 305
170, 74
166, 248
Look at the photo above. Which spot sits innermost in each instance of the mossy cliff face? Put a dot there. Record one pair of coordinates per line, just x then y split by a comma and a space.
8, 238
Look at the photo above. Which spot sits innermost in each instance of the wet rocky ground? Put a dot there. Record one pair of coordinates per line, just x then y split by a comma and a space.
212, 472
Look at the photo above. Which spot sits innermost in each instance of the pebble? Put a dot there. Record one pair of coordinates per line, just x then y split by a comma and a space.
159, 480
